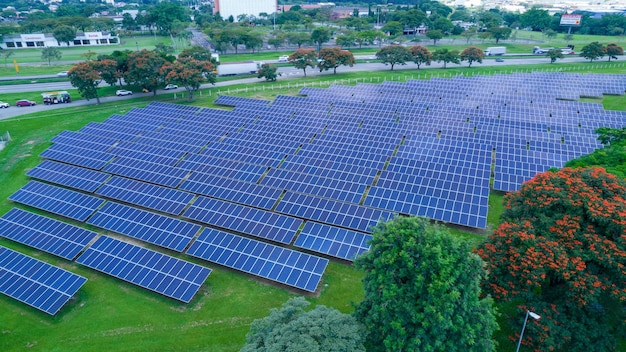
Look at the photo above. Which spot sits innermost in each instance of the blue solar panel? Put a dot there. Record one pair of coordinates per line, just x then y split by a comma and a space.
328, 211
93, 159
333, 241
150, 227
147, 171
283, 265
258, 196
48, 235
159, 198
71, 204
38, 284
251, 221
151, 270
68, 175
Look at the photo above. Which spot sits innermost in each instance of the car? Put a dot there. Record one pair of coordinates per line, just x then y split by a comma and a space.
121, 92
4, 105
283, 58
25, 102
62, 74
499, 59
170, 86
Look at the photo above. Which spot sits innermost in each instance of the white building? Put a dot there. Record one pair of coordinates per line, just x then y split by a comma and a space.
41, 40
234, 8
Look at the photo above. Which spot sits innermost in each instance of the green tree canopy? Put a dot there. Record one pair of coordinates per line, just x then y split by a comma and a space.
447, 56
500, 33
434, 35
268, 72
50, 53
85, 77
612, 50
64, 34
393, 55
331, 58
554, 54
560, 251
422, 291
108, 70
421, 55
291, 328
536, 18
612, 157
319, 36
592, 51
144, 69
303, 58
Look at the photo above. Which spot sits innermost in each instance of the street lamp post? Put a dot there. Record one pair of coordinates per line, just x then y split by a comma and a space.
534, 316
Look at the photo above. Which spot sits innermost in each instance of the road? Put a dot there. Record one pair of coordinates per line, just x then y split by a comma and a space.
286, 72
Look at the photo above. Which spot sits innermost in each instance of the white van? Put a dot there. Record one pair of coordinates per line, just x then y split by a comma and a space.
283, 58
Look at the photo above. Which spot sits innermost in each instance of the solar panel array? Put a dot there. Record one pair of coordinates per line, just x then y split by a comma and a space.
313, 173
152, 270
36, 283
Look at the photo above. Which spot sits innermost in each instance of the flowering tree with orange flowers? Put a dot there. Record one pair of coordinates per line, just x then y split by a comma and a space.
560, 251
189, 73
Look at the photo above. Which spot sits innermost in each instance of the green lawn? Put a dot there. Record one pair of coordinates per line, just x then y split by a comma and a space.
122, 317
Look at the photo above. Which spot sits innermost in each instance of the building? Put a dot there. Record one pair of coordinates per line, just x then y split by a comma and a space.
227, 8
45, 40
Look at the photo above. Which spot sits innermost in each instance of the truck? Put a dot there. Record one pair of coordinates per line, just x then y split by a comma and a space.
495, 50
540, 51
238, 68
56, 97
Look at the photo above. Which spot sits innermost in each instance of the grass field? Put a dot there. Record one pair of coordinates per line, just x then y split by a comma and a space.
122, 317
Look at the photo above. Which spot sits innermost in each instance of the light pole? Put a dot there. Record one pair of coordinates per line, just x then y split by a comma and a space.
534, 316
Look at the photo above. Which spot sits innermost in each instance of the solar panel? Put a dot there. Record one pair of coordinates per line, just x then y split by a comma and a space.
251, 221
75, 155
38, 284
68, 175
57, 200
159, 198
151, 270
149, 227
272, 262
43, 233
333, 241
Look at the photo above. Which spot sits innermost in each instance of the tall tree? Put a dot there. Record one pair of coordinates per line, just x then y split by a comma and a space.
422, 291
85, 77
393, 55
434, 35
592, 51
303, 58
108, 70
500, 33
268, 72
189, 73
446, 56
554, 54
331, 58
472, 54
291, 328
64, 34
144, 69
50, 53
6, 54
612, 50
421, 55
560, 251
536, 18
319, 36
298, 38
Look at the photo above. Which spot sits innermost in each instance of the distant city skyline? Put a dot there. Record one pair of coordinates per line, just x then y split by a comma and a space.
555, 5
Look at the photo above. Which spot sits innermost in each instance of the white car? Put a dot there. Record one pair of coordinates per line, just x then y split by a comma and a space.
283, 58
170, 86
4, 105
62, 74
121, 92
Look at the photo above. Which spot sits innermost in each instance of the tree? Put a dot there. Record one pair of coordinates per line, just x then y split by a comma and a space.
128, 22
469, 33
89, 55
393, 55
298, 38
422, 291
554, 54
50, 53
346, 40
319, 36
592, 51
303, 58
612, 50
64, 34
447, 56
393, 28
560, 251
291, 328
550, 34
500, 33
268, 72
165, 14
536, 19
434, 35
85, 77
189, 73
331, 58
612, 157
421, 55
108, 70
144, 69
471, 54
6, 54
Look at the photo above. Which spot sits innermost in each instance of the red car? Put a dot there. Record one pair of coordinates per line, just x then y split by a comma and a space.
25, 102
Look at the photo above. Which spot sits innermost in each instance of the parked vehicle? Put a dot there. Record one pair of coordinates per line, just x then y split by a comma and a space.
121, 92
62, 74
499, 59
238, 68
283, 58
4, 105
540, 51
170, 86
25, 102
56, 97
495, 50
